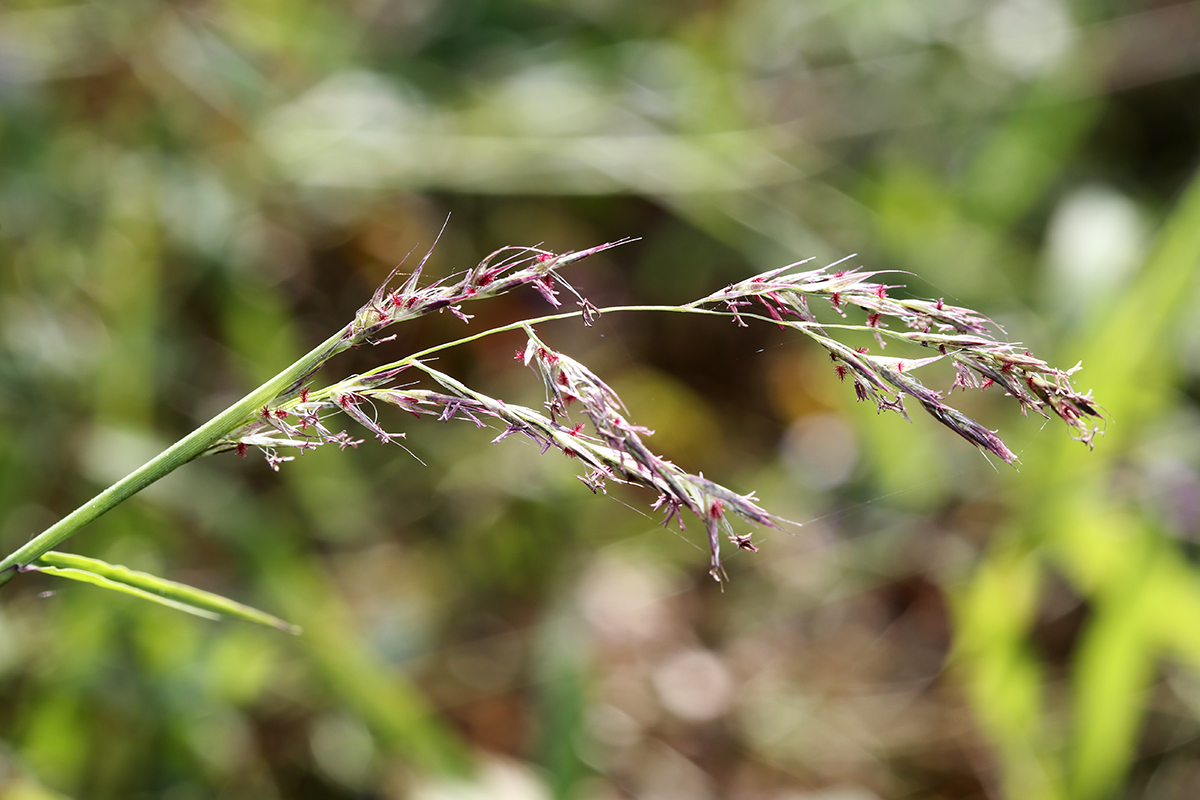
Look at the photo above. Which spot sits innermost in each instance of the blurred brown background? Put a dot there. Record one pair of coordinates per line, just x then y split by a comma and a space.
193, 194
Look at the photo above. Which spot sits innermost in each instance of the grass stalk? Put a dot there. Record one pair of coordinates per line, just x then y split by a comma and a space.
175, 456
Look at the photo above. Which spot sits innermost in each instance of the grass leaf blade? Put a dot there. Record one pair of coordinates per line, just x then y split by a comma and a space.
157, 590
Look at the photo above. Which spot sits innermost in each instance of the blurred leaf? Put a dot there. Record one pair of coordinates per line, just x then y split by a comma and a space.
1113, 670
1026, 154
1130, 354
1102, 543
384, 697
1004, 680
562, 702
56, 742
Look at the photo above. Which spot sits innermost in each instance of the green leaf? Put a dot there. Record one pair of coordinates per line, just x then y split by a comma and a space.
157, 590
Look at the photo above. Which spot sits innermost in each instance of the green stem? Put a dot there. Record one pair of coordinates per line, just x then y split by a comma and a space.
173, 457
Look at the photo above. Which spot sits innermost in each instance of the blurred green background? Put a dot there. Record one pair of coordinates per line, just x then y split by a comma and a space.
193, 194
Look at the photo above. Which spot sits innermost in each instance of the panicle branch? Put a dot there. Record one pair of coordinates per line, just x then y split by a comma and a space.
960, 334
503, 270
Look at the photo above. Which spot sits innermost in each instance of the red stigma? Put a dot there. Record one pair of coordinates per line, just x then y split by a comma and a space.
241, 449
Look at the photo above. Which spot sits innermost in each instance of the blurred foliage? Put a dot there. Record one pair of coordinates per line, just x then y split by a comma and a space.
192, 194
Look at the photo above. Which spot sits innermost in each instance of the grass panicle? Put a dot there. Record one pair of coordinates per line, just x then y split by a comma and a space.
288, 414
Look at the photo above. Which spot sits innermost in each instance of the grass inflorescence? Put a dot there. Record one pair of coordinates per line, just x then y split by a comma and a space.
582, 417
